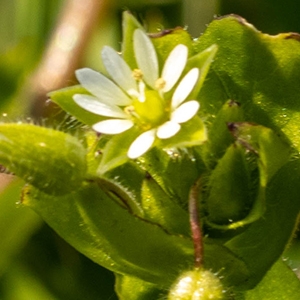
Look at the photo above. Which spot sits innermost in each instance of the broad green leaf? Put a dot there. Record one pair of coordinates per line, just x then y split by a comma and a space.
50, 160
280, 283
111, 236
132, 288
257, 70
263, 242
231, 194
64, 98
221, 260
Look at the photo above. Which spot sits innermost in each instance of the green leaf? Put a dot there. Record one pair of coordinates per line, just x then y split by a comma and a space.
257, 70
64, 98
163, 210
264, 241
173, 162
50, 160
132, 288
219, 137
231, 194
272, 151
111, 236
280, 283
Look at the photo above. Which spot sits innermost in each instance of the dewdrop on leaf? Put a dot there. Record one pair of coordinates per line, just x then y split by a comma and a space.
198, 284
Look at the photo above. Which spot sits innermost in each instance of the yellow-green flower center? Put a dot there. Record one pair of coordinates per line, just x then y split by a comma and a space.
151, 113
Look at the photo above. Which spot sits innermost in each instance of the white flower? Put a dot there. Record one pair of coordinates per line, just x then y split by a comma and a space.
137, 97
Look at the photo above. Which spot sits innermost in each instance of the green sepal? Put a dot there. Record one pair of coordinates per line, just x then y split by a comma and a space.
277, 224
50, 160
166, 40
132, 288
129, 25
64, 98
202, 61
192, 133
114, 153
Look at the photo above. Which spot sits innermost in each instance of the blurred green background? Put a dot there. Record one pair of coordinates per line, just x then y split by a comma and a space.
42, 42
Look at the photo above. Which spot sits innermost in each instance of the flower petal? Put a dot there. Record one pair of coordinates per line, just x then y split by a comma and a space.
185, 87
101, 87
146, 57
185, 111
174, 66
167, 130
113, 126
141, 144
94, 106
118, 69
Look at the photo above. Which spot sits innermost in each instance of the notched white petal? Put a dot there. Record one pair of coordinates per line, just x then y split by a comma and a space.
113, 126
174, 66
101, 87
118, 69
185, 111
93, 105
167, 130
141, 144
185, 87
146, 57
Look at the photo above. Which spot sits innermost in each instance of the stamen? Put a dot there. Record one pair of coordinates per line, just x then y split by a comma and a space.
129, 110
137, 74
160, 83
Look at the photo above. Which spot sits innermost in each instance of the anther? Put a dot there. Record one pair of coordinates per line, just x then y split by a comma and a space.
160, 83
137, 74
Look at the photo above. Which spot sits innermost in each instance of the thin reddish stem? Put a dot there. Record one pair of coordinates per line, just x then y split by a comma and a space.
195, 224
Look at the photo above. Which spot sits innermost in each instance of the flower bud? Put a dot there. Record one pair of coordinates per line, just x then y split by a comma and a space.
198, 284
